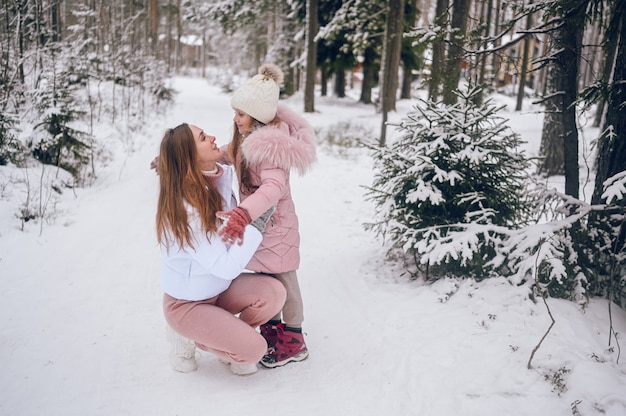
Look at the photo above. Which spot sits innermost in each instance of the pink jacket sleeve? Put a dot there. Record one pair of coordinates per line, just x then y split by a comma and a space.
273, 186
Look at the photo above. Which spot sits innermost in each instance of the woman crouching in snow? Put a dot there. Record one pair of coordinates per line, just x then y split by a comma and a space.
201, 275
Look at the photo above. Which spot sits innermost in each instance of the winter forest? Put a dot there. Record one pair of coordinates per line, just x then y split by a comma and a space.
454, 194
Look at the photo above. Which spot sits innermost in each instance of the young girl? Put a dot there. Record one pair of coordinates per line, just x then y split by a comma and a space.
201, 276
268, 141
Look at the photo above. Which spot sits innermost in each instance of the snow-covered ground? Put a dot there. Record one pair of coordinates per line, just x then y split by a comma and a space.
82, 332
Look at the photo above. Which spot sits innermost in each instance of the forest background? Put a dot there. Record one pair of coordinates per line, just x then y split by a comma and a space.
452, 202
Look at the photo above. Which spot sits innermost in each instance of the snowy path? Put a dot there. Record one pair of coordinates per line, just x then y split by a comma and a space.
82, 330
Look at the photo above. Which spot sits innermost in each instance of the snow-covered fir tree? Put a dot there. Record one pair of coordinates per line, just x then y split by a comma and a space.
452, 183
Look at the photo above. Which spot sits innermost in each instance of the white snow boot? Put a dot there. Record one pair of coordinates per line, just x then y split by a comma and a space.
242, 369
182, 352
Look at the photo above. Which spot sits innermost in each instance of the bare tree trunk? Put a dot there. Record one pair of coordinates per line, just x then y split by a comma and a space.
103, 25
458, 23
569, 42
170, 44
483, 57
591, 53
205, 50
391, 79
368, 75
391, 61
606, 265
607, 66
551, 149
20, 41
524, 69
323, 81
496, 61
542, 86
311, 55
437, 66
179, 34
612, 144
55, 20
5, 55
407, 79
154, 25
340, 82
406, 50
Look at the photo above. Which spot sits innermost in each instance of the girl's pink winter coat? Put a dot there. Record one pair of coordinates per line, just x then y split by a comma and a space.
272, 152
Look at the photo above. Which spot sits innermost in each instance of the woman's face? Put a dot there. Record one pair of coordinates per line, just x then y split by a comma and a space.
208, 152
243, 122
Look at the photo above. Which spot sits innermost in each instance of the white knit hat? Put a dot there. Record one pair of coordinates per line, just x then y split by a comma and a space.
258, 97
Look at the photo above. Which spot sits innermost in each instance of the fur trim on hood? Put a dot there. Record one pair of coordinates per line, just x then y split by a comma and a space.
294, 148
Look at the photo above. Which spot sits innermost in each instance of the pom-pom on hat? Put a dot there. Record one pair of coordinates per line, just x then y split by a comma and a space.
258, 97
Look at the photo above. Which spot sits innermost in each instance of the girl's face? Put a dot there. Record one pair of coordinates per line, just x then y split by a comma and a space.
208, 152
243, 122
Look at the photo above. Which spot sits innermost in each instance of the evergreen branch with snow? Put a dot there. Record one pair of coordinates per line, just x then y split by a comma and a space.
453, 193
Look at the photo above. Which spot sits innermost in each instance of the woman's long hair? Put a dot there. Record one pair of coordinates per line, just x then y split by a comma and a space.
241, 165
181, 179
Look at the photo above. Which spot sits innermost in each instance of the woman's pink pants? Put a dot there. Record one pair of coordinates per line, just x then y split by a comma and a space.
212, 323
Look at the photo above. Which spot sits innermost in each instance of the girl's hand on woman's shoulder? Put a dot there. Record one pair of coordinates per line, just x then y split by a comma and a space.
154, 164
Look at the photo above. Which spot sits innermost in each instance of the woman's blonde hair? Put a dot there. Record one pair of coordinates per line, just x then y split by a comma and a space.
181, 179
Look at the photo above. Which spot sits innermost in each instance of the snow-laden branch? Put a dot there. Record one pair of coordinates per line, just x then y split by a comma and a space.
614, 187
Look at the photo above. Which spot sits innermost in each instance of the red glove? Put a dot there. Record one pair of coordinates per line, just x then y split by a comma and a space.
234, 224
